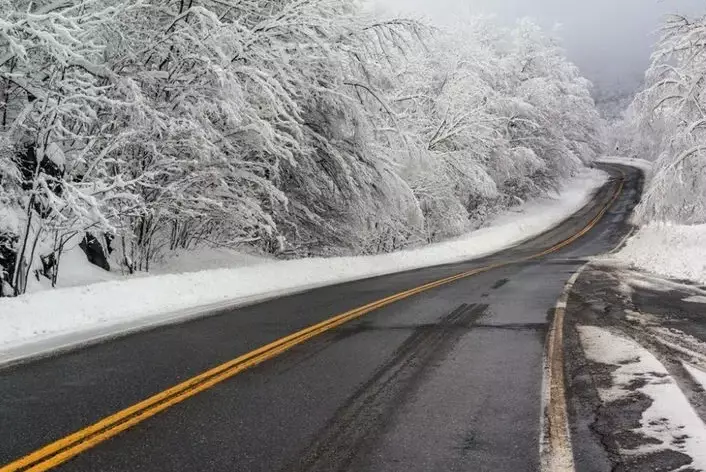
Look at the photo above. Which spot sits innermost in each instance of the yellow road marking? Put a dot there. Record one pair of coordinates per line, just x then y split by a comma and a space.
556, 450
64, 449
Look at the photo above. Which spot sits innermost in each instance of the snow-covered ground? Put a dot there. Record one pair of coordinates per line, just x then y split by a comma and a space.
697, 374
76, 270
666, 249
642, 164
670, 421
677, 251
52, 319
206, 258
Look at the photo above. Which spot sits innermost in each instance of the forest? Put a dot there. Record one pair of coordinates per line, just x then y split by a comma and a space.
298, 128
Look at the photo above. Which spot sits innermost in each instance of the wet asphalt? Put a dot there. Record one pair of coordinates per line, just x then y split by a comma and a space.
449, 379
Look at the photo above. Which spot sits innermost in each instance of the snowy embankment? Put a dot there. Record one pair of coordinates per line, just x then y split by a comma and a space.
642, 164
667, 249
54, 319
676, 251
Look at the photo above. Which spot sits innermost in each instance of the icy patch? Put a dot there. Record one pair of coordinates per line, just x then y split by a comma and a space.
670, 419
677, 340
74, 315
635, 279
695, 299
697, 374
645, 319
648, 283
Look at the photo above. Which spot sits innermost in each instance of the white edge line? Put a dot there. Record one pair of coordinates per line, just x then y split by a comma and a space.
555, 451
555, 448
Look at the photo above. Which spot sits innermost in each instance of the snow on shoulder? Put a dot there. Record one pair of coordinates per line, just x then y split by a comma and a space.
670, 422
54, 319
642, 164
661, 247
671, 250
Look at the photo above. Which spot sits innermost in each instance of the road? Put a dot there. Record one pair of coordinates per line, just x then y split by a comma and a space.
446, 379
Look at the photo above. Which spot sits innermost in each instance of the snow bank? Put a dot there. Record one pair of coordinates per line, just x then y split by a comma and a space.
206, 258
74, 270
670, 420
53, 319
677, 251
666, 249
642, 164
695, 299
697, 374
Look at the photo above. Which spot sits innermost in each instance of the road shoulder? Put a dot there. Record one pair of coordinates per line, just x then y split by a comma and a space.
631, 341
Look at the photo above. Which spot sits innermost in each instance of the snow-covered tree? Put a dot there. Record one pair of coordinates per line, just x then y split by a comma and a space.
481, 117
666, 123
296, 127
54, 84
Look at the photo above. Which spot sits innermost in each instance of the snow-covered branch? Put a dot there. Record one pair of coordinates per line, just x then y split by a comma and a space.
297, 127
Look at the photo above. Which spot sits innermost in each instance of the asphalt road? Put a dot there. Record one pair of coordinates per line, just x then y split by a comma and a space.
448, 379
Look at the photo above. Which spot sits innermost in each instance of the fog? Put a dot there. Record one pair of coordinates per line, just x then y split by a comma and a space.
610, 40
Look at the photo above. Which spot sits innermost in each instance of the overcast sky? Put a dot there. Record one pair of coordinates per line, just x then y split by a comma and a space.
610, 40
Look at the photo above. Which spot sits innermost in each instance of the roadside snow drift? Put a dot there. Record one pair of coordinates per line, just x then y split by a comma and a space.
49, 320
697, 374
677, 251
663, 248
642, 164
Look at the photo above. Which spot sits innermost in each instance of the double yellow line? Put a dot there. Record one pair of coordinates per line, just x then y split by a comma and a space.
64, 449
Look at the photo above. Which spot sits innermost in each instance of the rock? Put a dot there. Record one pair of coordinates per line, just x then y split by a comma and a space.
95, 251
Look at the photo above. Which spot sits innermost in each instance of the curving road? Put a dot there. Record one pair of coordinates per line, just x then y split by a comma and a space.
447, 377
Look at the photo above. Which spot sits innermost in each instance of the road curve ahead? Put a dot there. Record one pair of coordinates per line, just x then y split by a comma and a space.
425, 377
